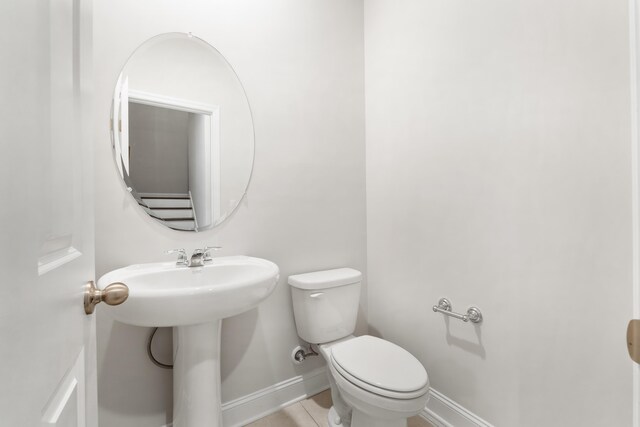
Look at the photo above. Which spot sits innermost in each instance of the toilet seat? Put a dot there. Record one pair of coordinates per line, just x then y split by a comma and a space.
380, 367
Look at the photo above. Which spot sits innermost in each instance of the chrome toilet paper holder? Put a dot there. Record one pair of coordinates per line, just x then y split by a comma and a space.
444, 306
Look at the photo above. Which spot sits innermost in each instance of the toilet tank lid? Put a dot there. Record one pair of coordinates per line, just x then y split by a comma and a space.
325, 279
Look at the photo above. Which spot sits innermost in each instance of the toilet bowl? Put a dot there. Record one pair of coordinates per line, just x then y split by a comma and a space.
374, 383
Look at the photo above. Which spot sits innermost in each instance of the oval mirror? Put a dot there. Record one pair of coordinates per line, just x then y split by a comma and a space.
182, 132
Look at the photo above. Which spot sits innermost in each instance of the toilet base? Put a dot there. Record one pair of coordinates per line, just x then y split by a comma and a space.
333, 418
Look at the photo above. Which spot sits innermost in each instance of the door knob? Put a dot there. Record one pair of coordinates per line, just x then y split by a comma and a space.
633, 340
114, 294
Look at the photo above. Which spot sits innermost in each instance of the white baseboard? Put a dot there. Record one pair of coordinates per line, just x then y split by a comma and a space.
254, 406
444, 412
440, 411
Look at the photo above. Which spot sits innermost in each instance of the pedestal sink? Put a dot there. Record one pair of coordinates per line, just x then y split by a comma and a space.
193, 300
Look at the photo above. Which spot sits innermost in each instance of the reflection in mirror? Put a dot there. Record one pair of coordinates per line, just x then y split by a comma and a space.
184, 140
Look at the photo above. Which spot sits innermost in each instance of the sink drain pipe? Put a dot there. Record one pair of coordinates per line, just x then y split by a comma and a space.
150, 352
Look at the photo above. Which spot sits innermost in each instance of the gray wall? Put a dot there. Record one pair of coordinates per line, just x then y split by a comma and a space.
302, 67
159, 159
499, 175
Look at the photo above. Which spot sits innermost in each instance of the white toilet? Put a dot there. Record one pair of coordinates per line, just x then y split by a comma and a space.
374, 383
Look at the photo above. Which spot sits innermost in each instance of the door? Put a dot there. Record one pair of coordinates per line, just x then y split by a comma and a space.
47, 356
634, 52
123, 126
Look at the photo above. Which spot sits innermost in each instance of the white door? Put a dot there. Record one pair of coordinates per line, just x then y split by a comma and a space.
634, 11
123, 126
47, 356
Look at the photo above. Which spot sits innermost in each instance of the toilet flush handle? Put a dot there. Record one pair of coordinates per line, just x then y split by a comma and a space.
316, 295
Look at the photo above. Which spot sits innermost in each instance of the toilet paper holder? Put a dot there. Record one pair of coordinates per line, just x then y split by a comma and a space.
444, 306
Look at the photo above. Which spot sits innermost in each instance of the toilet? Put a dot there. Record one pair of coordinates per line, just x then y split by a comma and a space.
374, 383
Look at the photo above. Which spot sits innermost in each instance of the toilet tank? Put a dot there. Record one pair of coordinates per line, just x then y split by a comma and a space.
325, 304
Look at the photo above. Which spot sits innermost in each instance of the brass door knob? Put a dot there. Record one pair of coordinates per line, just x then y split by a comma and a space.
633, 340
114, 294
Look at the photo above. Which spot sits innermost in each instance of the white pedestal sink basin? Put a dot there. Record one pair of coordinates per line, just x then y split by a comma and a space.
193, 300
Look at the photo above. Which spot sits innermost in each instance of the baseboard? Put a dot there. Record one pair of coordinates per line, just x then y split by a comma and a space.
440, 411
246, 409
444, 412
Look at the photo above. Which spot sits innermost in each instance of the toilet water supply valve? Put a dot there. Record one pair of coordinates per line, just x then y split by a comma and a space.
299, 354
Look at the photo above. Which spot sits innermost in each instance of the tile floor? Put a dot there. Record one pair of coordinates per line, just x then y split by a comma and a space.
312, 413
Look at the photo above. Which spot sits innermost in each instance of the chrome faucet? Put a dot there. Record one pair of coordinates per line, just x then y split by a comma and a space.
201, 256
182, 256
198, 258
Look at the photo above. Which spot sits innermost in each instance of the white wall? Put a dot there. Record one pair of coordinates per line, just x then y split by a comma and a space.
302, 66
498, 175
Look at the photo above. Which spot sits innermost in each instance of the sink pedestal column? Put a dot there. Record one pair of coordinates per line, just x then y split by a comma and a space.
196, 375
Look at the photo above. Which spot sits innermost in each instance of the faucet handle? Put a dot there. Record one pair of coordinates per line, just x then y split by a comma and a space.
182, 256
205, 252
